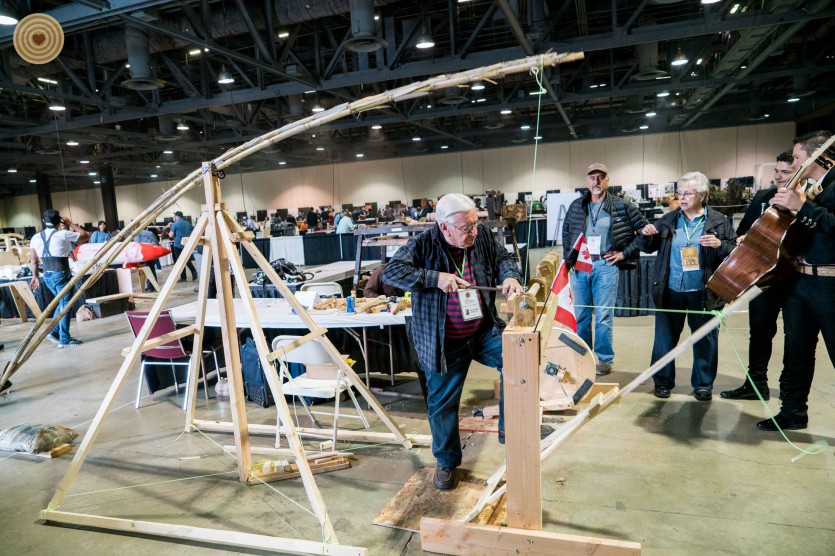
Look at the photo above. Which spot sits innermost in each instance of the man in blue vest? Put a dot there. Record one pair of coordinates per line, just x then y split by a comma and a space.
181, 228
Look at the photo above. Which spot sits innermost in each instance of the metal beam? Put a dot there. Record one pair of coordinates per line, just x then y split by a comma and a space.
256, 36
488, 15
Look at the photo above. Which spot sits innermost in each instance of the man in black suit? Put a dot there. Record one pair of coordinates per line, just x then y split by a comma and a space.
810, 302
764, 309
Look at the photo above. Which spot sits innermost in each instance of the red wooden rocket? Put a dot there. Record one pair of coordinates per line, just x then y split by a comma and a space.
134, 254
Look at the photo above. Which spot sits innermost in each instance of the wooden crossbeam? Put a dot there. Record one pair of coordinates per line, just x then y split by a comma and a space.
469, 539
164, 339
286, 348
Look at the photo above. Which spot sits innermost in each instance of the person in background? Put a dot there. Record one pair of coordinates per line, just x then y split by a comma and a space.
101, 235
312, 220
181, 228
425, 208
810, 301
691, 242
148, 236
346, 225
251, 225
337, 217
611, 227
375, 286
53, 247
453, 325
765, 308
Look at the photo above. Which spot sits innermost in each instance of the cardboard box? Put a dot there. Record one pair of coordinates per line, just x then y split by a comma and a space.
324, 371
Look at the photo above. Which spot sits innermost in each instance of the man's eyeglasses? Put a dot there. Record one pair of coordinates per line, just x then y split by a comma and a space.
466, 229
685, 194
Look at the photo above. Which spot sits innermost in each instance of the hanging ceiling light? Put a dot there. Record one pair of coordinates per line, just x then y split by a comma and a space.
7, 15
12, 170
425, 40
224, 77
680, 59
317, 107
477, 86
182, 126
57, 106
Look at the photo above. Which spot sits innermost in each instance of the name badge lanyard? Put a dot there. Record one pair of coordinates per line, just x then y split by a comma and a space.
460, 271
687, 231
467, 299
595, 217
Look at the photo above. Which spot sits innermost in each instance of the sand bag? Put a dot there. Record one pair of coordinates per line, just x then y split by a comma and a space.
35, 438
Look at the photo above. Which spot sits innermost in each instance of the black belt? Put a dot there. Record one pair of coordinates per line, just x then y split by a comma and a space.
595, 257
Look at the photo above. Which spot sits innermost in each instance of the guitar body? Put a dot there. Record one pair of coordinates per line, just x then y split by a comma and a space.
766, 255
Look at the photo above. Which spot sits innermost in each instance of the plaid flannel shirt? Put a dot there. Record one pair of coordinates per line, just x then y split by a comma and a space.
415, 268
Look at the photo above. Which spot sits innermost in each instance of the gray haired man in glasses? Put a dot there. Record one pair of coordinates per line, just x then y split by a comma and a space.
452, 324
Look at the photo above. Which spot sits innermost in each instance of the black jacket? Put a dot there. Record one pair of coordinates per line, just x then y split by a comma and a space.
710, 258
756, 208
624, 234
818, 217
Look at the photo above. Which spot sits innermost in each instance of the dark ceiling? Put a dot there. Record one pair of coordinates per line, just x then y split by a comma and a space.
745, 61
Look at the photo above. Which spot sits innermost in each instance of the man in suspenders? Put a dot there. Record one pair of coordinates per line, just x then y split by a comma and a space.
52, 247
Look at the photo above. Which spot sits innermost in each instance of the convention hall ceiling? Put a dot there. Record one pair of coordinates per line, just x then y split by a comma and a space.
150, 88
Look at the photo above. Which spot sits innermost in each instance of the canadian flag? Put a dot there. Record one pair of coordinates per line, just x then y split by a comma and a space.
565, 301
583, 262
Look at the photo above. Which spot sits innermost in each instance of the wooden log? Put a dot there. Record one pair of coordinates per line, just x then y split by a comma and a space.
470, 539
201, 534
333, 463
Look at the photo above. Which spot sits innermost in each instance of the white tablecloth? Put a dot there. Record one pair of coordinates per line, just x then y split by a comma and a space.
290, 248
276, 313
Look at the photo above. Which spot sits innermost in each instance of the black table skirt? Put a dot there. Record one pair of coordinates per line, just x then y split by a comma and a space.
106, 285
635, 289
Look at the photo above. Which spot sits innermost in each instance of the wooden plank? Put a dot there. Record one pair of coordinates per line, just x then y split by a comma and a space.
520, 351
470, 539
599, 388
165, 338
112, 297
55, 452
334, 463
197, 346
341, 434
219, 537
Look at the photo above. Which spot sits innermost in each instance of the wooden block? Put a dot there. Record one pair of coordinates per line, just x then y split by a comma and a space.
470, 539
317, 466
497, 389
520, 351
55, 452
599, 388
477, 424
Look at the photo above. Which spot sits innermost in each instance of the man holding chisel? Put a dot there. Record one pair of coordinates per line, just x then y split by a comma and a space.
453, 323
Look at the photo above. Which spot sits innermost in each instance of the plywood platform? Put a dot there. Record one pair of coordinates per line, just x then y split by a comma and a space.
419, 498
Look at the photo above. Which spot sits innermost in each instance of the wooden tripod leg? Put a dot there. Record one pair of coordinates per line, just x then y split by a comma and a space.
293, 438
336, 357
121, 377
226, 311
197, 348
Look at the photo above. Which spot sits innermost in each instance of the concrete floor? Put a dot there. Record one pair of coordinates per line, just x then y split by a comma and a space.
680, 476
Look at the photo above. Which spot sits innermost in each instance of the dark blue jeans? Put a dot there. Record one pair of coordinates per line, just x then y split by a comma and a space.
444, 390
668, 327
56, 281
808, 312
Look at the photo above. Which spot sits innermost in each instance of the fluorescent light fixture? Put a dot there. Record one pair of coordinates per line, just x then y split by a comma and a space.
157, 166
680, 59
376, 17
444, 146
793, 99
167, 151
283, 34
659, 78
153, 175
743, 67
33, 181
72, 143
651, 114
47, 80
699, 61
97, 182
127, 66
7, 16
360, 155
709, 1
506, 111
195, 52
593, 86
182, 126
663, 94
320, 148
57, 107
477, 86
317, 108
644, 127
415, 138
766, 115
282, 163
84, 162
12, 170
92, 173
376, 126
735, 8
537, 138
309, 92
481, 99
525, 127
428, 106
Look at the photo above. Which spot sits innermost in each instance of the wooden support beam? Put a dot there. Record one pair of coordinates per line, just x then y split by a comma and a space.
287, 348
201, 534
520, 351
469, 539
164, 339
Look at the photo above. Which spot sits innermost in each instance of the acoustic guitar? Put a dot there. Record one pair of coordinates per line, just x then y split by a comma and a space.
771, 249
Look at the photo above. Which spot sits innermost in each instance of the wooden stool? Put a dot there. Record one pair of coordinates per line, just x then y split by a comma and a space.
23, 298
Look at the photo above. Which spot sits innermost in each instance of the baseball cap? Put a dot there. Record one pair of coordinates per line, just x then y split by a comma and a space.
597, 167
179, 213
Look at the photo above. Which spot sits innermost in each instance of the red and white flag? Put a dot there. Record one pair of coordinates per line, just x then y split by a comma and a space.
565, 300
583, 263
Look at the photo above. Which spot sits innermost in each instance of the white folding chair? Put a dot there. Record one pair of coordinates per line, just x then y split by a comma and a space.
312, 353
324, 289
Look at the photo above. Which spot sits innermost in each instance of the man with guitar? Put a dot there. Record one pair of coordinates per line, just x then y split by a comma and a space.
810, 303
765, 308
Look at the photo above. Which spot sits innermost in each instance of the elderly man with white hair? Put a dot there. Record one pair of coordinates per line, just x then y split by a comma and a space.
452, 323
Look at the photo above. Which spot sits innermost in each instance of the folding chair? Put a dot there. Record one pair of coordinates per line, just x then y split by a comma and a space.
172, 351
312, 353
325, 289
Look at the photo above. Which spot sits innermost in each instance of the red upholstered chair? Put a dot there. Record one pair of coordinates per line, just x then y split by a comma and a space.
173, 351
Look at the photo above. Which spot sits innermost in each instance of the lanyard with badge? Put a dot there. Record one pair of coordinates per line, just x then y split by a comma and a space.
468, 299
690, 253
593, 241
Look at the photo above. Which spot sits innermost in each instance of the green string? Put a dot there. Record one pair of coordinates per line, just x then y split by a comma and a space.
653, 310
820, 445
153, 483
537, 72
